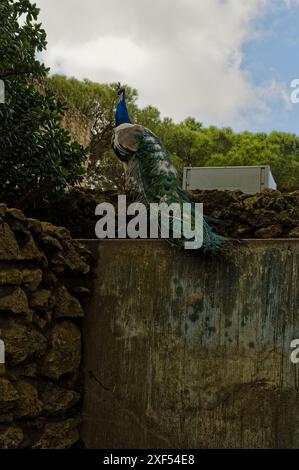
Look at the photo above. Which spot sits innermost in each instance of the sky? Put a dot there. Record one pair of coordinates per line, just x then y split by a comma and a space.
228, 63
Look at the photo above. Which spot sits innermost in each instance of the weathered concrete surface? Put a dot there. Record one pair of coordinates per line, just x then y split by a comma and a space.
194, 352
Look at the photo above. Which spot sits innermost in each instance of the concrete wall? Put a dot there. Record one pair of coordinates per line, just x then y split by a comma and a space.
183, 351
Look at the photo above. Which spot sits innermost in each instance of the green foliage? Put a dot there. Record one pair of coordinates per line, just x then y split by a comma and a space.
19, 44
97, 102
38, 158
278, 149
189, 143
88, 97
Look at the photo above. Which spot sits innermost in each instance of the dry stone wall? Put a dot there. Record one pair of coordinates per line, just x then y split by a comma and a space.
44, 285
269, 214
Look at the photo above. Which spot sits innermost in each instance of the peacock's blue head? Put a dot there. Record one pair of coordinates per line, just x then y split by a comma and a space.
121, 114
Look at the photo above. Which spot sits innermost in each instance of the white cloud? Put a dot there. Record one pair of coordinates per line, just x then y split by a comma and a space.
183, 56
92, 59
290, 3
276, 90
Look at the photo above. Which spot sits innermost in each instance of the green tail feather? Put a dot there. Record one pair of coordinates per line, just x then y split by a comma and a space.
158, 181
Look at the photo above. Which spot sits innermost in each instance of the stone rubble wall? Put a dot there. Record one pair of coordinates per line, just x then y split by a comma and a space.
44, 286
269, 214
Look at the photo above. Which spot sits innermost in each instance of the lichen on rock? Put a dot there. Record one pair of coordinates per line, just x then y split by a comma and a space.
22, 342
43, 277
64, 355
58, 400
66, 305
11, 437
8, 395
28, 403
59, 435
14, 300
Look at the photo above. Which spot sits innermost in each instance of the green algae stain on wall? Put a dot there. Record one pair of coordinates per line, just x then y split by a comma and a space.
191, 351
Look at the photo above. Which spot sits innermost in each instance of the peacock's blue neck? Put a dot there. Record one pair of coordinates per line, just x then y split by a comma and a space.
121, 114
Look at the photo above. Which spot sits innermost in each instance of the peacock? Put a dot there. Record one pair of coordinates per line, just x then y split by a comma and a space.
155, 179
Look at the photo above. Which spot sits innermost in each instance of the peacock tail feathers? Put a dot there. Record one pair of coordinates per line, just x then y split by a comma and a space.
157, 181
153, 177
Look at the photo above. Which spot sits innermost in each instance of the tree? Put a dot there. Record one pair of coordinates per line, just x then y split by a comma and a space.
38, 158
97, 102
280, 150
189, 142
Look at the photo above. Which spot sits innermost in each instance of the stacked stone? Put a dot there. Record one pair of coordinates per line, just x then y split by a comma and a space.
270, 214
44, 279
